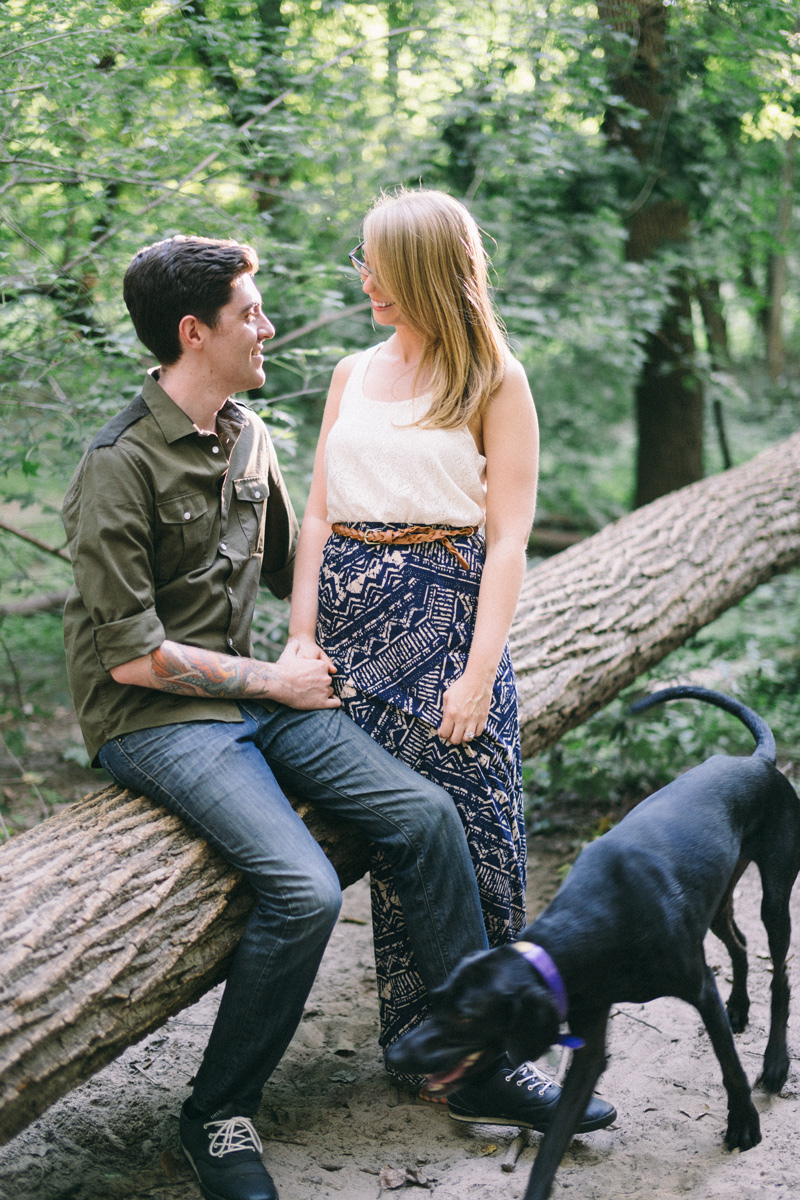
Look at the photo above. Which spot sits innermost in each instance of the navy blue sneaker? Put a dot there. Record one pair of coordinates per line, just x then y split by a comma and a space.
224, 1151
521, 1096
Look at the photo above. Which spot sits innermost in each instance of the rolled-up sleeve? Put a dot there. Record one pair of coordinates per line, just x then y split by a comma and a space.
108, 515
119, 642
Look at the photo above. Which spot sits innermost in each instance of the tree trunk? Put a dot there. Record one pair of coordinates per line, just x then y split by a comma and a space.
713, 310
669, 396
669, 406
777, 274
114, 916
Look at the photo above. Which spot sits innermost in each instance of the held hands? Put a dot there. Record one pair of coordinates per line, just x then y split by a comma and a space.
306, 677
465, 710
308, 648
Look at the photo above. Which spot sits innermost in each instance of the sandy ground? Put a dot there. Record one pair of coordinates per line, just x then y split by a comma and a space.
333, 1126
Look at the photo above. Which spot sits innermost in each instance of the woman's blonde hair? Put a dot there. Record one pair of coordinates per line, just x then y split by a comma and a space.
427, 254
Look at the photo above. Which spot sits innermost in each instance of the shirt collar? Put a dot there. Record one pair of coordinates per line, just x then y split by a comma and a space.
172, 420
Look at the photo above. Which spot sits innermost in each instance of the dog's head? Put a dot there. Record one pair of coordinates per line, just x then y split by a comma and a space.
493, 1002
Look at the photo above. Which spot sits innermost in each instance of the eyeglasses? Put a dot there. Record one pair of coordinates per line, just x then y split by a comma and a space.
357, 263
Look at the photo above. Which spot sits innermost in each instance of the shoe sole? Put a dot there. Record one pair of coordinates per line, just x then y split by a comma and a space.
584, 1127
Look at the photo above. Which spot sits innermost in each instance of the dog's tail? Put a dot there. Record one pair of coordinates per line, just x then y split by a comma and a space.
765, 742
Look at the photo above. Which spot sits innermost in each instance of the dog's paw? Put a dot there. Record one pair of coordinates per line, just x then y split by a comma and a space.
738, 1012
744, 1128
775, 1073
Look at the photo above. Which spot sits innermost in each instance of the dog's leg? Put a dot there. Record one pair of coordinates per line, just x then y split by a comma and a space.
775, 915
743, 1130
725, 928
586, 1067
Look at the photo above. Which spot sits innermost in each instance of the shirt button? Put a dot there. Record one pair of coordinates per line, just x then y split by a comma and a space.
230, 591
187, 516
215, 449
223, 545
230, 641
257, 495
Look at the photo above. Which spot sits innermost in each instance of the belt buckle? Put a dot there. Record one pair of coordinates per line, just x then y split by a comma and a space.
372, 541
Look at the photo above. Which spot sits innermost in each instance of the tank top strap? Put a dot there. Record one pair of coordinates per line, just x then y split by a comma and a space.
354, 388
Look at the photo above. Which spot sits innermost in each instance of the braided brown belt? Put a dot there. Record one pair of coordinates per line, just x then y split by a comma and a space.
408, 535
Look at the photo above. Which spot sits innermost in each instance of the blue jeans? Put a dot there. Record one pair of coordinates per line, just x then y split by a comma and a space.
225, 780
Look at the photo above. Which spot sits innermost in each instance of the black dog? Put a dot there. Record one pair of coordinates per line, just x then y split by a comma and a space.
628, 925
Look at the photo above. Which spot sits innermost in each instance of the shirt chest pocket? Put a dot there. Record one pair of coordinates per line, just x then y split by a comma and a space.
251, 506
183, 535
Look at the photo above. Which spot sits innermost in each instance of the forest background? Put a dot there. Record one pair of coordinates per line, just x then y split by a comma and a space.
633, 168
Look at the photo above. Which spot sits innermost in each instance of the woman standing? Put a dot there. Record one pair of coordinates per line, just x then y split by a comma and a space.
412, 554
408, 572
426, 471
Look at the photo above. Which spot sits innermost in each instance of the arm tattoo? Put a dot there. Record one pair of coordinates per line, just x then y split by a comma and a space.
189, 671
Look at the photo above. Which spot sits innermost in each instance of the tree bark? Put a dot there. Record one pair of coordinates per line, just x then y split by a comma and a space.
114, 916
669, 395
711, 305
777, 273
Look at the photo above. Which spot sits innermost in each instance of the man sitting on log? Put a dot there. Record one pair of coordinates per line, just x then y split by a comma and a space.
175, 514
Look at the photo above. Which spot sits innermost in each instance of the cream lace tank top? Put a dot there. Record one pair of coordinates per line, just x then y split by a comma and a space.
379, 466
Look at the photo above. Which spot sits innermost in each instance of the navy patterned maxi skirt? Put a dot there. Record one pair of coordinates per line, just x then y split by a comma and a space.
397, 621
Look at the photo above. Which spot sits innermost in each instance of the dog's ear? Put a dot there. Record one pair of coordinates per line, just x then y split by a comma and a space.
533, 1024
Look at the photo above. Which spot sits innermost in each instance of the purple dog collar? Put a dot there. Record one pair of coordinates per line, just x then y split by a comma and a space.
541, 961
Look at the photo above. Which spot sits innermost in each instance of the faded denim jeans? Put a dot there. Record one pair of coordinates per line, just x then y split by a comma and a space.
225, 780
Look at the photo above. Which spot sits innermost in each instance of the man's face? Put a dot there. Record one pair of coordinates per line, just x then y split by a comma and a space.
233, 349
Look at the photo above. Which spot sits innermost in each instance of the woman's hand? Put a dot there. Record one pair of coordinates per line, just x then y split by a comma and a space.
305, 647
465, 710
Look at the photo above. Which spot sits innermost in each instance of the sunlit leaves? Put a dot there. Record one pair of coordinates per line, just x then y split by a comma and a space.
278, 121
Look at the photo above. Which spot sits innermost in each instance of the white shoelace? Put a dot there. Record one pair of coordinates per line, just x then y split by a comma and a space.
526, 1075
231, 1135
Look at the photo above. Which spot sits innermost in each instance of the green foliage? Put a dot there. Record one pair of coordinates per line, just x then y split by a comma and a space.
278, 121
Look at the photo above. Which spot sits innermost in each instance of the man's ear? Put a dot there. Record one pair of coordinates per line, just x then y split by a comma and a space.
192, 333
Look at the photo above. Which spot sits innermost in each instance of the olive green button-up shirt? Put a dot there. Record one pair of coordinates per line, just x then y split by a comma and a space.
170, 531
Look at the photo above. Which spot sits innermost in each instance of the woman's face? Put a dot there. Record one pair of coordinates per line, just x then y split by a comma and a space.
384, 309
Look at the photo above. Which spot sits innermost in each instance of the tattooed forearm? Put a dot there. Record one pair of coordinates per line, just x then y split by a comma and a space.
190, 671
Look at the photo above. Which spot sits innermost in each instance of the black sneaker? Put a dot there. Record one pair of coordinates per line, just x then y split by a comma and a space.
521, 1096
224, 1151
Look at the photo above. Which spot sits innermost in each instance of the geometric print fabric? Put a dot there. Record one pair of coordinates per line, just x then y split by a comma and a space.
397, 622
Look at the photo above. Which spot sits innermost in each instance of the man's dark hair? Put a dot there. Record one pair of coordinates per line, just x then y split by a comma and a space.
178, 277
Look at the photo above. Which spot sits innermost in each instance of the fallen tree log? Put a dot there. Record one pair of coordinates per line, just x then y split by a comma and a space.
594, 617
114, 917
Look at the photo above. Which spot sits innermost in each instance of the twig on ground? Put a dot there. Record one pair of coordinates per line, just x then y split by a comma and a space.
514, 1150
619, 1012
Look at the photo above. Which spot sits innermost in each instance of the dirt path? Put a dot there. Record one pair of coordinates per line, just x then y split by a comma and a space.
334, 1127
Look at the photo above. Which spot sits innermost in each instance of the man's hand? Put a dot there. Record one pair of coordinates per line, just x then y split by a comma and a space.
304, 682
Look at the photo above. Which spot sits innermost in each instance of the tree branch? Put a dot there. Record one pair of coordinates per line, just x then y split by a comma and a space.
34, 541
328, 319
49, 602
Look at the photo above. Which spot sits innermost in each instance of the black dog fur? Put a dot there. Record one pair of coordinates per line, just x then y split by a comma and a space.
628, 925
